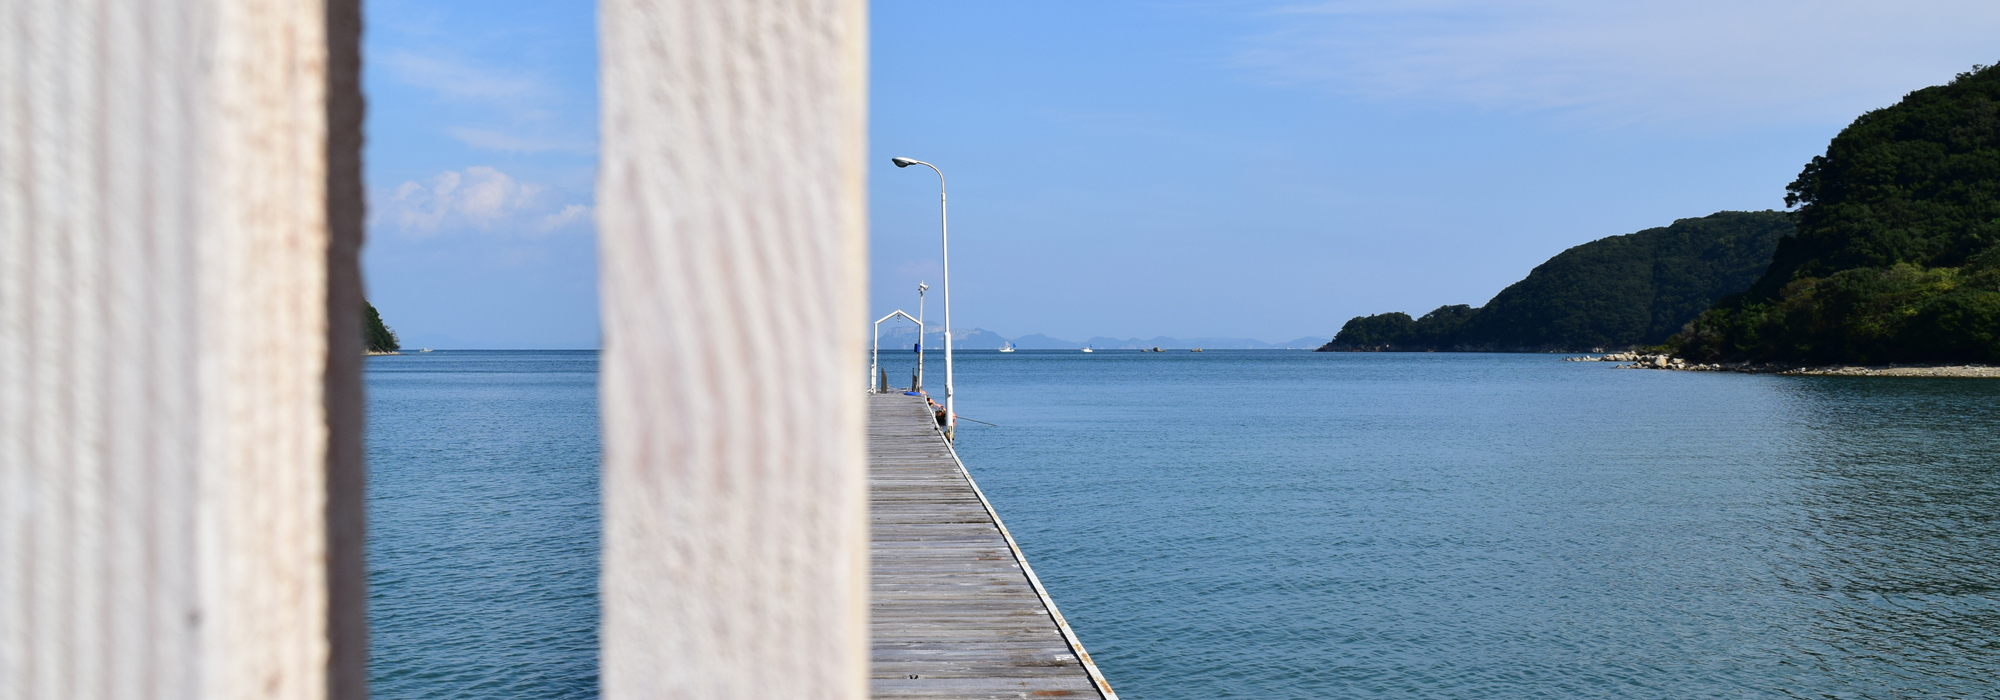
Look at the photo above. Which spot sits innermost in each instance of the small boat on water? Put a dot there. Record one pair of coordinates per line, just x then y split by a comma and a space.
1009, 347
1195, 350
1086, 348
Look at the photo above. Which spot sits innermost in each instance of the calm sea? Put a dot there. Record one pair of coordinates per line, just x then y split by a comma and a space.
1299, 525
482, 525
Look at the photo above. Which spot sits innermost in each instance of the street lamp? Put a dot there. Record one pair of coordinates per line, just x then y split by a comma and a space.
921, 288
944, 229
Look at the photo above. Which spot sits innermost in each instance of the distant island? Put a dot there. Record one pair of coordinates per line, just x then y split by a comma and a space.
1897, 255
376, 336
1620, 292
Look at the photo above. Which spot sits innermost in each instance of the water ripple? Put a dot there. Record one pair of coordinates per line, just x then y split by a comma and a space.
1311, 525
1291, 525
483, 525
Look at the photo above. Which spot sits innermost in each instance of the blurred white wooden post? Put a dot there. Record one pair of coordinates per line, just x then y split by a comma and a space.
180, 416
732, 230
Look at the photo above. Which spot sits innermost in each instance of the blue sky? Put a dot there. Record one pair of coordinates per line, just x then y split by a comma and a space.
1253, 169
481, 163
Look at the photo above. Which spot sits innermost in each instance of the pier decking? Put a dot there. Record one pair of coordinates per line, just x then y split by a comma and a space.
955, 610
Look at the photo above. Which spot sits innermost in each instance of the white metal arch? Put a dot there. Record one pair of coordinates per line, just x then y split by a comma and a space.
875, 357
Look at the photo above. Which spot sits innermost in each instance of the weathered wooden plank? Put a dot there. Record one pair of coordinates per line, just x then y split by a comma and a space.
909, 629
180, 397
951, 603
981, 687
732, 225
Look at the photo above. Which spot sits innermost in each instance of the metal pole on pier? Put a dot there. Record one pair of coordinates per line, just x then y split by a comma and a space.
944, 230
919, 383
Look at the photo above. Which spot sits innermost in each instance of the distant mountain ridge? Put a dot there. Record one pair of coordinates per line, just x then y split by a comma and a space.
982, 339
1622, 291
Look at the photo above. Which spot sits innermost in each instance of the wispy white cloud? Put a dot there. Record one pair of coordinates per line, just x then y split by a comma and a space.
571, 215
478, 198
457, 78
1709, 61
494, 140
526, 104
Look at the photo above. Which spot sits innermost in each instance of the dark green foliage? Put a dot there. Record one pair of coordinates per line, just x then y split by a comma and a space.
1378, 332
1396, 331
1864, 315
1443, 326
1636, 289
1894, 258
374, 334
1621, 291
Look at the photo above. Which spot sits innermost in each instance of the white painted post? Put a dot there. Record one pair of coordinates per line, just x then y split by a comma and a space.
180, 398
732, 227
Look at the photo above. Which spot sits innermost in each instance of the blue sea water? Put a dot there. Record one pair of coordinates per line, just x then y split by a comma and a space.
1299, 525
482, 525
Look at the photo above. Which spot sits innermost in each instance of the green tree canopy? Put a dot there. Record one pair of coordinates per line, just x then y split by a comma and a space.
376, 336
1894, 257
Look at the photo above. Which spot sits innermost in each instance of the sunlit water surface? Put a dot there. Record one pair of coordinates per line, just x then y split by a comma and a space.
482, 525
1299, 525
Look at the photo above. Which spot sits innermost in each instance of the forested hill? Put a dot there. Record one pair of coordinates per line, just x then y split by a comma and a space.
1616, 292
1897, 257
376, 336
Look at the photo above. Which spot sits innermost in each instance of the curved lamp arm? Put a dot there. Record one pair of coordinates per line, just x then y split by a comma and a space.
944, 229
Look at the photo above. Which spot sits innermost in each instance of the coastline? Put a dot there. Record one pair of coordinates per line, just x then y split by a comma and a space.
1645, 361
372, 353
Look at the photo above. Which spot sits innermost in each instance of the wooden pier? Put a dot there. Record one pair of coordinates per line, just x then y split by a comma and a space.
955, 610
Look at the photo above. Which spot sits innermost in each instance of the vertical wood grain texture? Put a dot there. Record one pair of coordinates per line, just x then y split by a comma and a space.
177, 222
732, 233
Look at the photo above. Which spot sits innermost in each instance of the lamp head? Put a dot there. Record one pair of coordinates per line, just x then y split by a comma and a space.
902, 162
921, 287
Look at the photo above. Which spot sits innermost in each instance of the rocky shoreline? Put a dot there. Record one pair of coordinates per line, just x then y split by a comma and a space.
1638, 360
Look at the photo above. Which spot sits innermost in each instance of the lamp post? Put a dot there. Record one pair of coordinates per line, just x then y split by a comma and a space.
944, 230
921, 288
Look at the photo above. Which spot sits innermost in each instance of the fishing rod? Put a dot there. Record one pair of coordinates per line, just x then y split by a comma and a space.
928, 400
